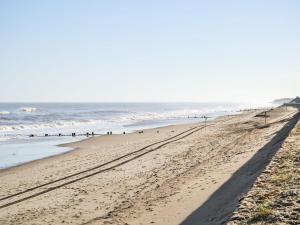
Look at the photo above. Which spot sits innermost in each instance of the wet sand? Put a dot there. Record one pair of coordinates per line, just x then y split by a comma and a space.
173, 171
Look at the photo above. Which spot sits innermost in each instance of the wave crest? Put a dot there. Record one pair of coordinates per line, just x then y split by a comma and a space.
28, 109
4, 112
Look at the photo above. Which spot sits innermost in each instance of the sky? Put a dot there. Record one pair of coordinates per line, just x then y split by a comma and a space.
149, 51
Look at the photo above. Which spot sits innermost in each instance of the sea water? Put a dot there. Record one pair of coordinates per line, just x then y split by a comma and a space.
20, 121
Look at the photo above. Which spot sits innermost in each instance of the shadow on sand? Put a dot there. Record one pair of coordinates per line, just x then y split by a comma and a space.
218, 208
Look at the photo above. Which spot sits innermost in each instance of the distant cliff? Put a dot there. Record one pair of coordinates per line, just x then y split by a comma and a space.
282, 100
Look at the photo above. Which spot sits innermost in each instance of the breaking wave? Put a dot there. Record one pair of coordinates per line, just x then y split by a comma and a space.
28, 109
123, 119
4, 112
55, 124
100, 117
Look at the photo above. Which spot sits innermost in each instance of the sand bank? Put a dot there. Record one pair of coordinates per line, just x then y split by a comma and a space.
275, 195
170, 175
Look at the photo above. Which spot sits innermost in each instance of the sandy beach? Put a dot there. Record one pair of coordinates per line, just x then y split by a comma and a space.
275, 196
183, 174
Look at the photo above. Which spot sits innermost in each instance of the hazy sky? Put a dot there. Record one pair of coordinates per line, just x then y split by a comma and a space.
149, 50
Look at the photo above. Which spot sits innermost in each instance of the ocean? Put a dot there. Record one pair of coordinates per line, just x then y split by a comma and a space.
20, 121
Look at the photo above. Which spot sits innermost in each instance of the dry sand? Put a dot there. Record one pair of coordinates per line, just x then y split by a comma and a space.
275, 196
196, 177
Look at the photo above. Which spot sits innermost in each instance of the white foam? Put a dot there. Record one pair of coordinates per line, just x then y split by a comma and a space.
55, 124
148, 116
117, 120
4, 112
28, 109
4, 138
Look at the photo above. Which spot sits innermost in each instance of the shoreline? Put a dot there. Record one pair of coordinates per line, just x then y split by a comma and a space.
68, 144
25, 151
140, 185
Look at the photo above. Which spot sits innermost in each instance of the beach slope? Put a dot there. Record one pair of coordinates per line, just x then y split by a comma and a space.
183, 174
